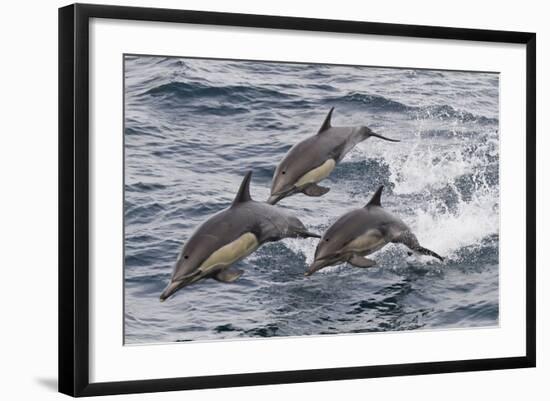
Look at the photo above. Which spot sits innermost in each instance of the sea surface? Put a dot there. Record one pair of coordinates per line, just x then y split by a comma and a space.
193, 127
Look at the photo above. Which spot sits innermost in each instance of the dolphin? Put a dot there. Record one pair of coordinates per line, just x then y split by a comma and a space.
313, 159
361, 232
230, 236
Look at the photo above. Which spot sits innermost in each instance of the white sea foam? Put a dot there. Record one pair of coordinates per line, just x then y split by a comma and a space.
425, 167
468, 224
306, 247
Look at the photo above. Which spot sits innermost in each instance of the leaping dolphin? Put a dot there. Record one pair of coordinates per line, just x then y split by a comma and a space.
361, 232
230, 236
313, 159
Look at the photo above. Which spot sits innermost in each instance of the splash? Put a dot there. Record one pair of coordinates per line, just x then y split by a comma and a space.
425, 167
460, 183
467, 225
305, 247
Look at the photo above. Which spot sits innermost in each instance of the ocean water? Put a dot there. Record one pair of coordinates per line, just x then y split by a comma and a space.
193, 127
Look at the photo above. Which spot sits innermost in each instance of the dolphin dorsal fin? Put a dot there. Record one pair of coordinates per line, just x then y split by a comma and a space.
375, 200
244, 190
326, 124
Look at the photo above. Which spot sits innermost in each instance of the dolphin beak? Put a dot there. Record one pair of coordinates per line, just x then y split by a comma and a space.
273, 199
170, 290
180, 283
316, 266
277, 196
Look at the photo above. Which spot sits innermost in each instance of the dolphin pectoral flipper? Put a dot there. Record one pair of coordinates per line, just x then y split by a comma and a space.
409, 240
359, 261
228, 275
315, 190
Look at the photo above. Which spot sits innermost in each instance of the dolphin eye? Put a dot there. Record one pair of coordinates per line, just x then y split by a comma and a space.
186, 257
327, 239
284, 172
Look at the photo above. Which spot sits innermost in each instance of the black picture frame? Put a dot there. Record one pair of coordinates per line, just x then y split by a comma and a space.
74, 198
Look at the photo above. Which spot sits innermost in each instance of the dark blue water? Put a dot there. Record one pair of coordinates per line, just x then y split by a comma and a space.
194, 127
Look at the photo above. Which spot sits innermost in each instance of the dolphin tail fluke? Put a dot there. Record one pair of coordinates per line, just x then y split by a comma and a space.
383, 137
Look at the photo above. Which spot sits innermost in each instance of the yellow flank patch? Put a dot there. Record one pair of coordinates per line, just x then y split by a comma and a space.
372, 240
317, 174
232, 252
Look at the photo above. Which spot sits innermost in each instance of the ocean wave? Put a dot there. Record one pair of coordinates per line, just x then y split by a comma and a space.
144, 187
238, 97
374, 102
384, 104
446, 112
188, 91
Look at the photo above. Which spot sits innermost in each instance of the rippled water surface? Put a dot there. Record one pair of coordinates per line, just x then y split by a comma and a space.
193, 128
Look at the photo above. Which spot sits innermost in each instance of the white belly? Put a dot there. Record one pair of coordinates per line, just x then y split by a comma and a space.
231, 253
317, 174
